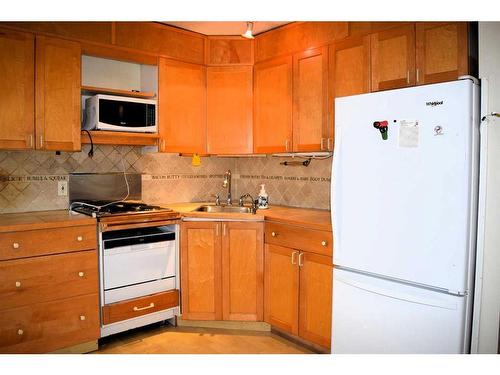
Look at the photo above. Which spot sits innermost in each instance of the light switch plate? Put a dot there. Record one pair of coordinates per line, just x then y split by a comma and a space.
62, 188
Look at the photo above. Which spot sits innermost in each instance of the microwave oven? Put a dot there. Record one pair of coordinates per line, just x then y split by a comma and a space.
120, 113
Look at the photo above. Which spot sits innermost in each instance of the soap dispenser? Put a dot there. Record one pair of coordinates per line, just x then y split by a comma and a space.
263, 200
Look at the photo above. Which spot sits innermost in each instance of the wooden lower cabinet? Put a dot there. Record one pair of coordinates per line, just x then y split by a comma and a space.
281, 288
315, 302
242, 271
201, 289
222, 271
298, 293
48, 326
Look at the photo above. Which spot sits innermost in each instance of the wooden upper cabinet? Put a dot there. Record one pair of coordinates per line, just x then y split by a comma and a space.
229, 110
442, 51
315, 312
17, 101
229, 50
58, 66
281, 288
182, 102
310, 100
201, 270
273, 105
393, 58
161, 40
349, 74
242, 271
350, 67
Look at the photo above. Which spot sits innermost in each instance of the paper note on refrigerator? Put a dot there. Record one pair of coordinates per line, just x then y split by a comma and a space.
408, 135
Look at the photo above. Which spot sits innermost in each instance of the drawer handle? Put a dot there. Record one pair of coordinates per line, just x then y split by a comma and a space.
81, 274
79, 238
151, 305
274, 234
18, 284
323, 243
15, 245
83, 317
20, 332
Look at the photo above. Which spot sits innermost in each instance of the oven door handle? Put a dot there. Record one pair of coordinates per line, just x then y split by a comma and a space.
151, 305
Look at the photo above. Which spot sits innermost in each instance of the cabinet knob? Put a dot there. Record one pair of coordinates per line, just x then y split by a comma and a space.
79, 238
18, 284
20, 332
82, 317
81, 274
15, 245
274, 234
323, 243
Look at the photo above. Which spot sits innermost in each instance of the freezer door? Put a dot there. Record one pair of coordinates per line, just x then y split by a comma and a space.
372, 315
402, 206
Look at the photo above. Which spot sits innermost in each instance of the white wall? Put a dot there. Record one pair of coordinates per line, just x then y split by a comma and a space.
486, 339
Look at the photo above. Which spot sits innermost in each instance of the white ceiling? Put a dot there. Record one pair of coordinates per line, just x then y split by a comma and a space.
226, 27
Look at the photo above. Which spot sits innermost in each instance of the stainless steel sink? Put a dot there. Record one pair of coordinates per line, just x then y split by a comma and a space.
218, 209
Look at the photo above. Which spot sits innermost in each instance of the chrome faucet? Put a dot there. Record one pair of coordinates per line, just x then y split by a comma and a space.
227, 183
254, 202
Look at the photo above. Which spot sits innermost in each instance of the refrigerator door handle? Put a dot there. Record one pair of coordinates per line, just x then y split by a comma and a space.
398, 295
335, 202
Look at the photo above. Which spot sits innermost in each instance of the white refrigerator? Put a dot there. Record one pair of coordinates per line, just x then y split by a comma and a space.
404, 187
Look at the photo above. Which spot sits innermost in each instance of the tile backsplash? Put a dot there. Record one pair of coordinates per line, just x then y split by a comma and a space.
28, 179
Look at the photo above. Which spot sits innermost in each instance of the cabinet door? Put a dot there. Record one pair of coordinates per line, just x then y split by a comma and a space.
17, 74
273, 106
315, 312
310, 100
182, 102
58, 66
281, 288
242, 271
201, 287
393, 58
229, 110
442, 53
349, 64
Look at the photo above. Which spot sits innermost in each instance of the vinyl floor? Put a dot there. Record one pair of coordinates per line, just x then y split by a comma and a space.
166, 339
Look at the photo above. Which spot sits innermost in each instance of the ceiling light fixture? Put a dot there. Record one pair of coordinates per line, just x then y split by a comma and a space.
248, 34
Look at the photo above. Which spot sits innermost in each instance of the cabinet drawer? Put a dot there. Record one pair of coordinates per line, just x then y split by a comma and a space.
47, 278
139, 306
50, 326
47, 241
316, 241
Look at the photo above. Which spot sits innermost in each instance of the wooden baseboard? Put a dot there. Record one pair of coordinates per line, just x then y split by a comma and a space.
300, 341
83, 348
246, 326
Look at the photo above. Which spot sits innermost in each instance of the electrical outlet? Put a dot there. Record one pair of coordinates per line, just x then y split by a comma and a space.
62, 188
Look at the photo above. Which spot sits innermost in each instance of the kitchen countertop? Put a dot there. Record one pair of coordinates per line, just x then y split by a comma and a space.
42, 220
305, 217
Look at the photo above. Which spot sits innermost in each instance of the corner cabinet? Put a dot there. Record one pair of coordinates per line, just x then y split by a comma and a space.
222, 270
229, 110
182, 107
58, 75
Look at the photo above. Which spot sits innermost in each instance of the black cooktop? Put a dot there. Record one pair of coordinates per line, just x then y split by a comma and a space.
103, 208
